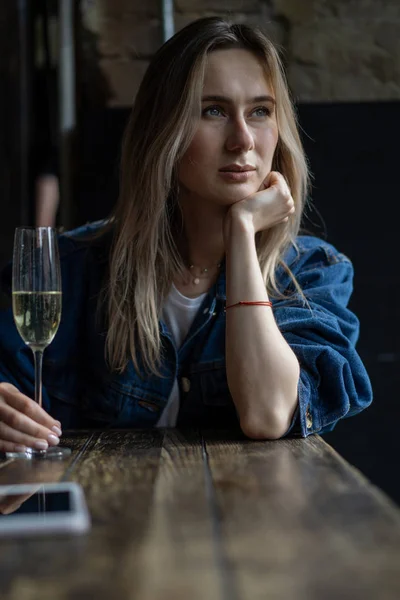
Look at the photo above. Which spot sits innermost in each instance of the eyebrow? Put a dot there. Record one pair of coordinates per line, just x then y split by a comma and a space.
230, 101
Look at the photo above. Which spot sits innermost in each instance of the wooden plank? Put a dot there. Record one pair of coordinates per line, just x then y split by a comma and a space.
117, 471
152, 534
297, 521
21, 559
179, 556
43, 471
287, 519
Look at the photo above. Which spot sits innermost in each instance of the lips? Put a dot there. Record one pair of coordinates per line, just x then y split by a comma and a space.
234, 168
237, 176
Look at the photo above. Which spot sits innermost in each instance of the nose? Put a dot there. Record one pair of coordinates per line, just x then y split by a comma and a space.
239, 138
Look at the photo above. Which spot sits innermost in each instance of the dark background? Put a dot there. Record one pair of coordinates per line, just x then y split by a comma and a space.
353, 154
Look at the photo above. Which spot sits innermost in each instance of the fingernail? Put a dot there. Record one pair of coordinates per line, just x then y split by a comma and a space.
57, 430
20, 448
53, 439
41, 445
58, 423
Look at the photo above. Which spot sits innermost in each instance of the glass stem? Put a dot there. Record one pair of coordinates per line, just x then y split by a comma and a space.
38, 357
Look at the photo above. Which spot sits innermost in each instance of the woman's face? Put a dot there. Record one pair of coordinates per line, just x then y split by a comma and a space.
232, 150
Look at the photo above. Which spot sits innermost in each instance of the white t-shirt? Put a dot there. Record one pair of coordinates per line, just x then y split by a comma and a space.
178, 314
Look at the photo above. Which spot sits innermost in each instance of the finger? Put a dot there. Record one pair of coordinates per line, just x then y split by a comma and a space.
9, 504
20, 423
7, 509
276, 179
288, 206
29, 407
290, 211
266, 182
18, 437
11, 447
289, 203
7, 387
281, 184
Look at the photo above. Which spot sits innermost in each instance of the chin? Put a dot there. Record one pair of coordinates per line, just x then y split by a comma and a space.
236, 194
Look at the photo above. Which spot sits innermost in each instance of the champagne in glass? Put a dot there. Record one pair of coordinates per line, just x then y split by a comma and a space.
37, 316
36, 301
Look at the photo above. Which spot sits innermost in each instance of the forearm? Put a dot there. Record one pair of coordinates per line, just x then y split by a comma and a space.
262, 370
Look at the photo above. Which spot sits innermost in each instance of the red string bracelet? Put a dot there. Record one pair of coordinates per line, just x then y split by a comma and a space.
245, 303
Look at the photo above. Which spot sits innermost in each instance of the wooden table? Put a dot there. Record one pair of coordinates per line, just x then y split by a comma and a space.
200, 515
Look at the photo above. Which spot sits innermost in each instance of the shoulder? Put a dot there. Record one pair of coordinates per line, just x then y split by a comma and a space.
310, 252
82, 250
92, 239
315, 264
84, 257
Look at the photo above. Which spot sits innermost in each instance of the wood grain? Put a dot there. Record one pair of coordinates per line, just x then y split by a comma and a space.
190, 515
43, 471
116, 471
178, 559
152, 534
297, 521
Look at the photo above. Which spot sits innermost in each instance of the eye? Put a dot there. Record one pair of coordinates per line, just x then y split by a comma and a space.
212, 111
261, 111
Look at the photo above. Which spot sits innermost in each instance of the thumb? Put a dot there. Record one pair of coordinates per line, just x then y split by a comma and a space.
271, 179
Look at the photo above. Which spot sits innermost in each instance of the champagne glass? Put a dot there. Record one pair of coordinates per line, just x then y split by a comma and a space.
36, 301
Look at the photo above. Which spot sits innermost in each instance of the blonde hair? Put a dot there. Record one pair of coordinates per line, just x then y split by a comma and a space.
144, 258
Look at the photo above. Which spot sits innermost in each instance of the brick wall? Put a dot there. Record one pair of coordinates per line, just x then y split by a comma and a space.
334, 50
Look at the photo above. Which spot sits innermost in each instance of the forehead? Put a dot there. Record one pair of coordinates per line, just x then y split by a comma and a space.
235, 71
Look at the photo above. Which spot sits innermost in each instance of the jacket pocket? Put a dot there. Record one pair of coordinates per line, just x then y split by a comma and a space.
130, 406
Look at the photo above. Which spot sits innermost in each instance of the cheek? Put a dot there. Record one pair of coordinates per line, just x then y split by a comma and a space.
203, 148
269, 142
200, 150
196, 161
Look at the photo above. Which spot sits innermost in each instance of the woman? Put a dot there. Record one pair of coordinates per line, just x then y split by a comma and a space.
197, 303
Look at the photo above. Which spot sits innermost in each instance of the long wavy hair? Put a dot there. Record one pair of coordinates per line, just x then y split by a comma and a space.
144, 258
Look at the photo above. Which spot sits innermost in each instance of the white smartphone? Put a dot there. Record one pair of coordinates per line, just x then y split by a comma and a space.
37, 509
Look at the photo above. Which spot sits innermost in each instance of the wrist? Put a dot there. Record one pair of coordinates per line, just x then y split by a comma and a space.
240, 239
239, 224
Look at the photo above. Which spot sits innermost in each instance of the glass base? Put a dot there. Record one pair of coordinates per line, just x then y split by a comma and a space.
52, 452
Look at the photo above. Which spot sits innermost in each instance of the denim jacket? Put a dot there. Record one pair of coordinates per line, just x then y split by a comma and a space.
81, 391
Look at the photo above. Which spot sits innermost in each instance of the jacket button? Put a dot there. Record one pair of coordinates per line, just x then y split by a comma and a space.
308, 419
185, 384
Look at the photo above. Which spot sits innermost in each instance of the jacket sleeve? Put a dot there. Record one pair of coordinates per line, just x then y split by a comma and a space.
333, 381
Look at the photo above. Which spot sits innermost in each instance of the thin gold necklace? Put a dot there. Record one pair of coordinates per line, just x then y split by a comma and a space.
197, 278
